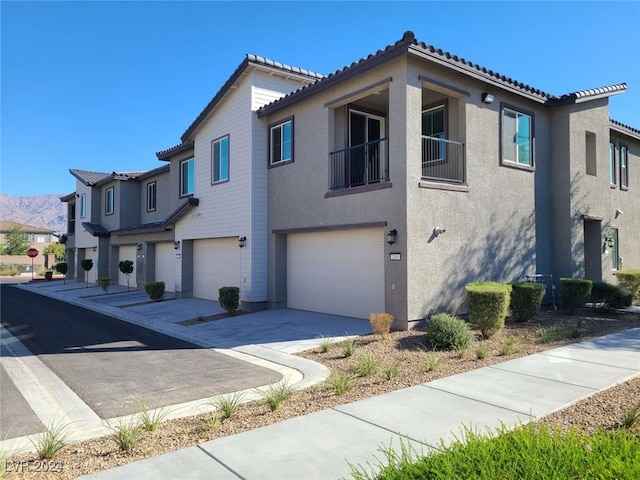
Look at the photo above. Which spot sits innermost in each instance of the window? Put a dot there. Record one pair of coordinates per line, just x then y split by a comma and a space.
83, 205
220, 160
615, 258
517, 136
612, 163
624, 167
109, 200
40, 239
590, 150
187, 177
281, 138
151, 196
433, 127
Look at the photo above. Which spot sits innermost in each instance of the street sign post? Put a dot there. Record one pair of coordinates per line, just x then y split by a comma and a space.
33, 253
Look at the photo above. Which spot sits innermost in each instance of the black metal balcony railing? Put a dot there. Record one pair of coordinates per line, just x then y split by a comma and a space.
359, 165
443, 160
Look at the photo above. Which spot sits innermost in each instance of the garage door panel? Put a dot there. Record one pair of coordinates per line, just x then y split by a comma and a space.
216, 263
165, 270
127, 253
340, 272
92, 275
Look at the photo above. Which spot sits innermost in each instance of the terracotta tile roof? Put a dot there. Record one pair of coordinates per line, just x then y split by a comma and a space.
249, 60
409, 44
7, 225
96, 229
625, 129
176, 149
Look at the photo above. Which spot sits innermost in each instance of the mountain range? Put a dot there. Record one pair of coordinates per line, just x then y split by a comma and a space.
45, 211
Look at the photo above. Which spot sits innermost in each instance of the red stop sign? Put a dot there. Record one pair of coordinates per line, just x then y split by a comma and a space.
32, 252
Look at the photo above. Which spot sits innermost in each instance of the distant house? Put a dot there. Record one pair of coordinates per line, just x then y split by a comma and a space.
38, 238
384, 186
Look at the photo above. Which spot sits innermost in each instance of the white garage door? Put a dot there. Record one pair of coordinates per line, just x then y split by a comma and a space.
92, 275
339, 272
166, 266
127, 253
216, 263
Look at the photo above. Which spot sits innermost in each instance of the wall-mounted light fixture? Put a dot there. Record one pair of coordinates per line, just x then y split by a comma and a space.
487, 98
608, 241
242, 241
391, 236
176, 245
95, 248
77, 195
618, 212
139, 246
438, 231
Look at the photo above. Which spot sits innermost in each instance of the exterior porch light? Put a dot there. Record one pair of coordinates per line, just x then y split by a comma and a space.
608, 241
487, 98
391, 236
438, 231
95, 248
242, 241
139, 246
176, 245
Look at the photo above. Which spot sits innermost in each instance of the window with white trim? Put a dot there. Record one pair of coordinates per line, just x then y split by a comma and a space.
624, 167
281, 143
615, 254
151, 196
517, 137
83, 205
220, 160
612, 164
187, 177
109, 200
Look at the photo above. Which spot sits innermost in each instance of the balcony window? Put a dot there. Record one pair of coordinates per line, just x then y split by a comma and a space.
433, 127
220, 160
365, 160
281, 142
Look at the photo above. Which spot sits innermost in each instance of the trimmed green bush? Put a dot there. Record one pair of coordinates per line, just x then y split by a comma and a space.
526, 300
86, 264
229, 298
105, 283
629, 279
611, 296
575, 292
447, 331
488, 305
155, 290
9, 270
126, 267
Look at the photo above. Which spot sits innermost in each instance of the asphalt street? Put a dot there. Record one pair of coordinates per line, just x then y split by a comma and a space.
110, 364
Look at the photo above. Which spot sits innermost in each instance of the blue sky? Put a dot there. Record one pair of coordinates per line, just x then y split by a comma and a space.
104, 85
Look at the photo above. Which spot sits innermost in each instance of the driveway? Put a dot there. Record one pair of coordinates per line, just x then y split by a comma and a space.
109, 363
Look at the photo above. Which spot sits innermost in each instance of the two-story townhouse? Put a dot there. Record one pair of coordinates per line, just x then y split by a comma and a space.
221, 163
123, 216
413, 172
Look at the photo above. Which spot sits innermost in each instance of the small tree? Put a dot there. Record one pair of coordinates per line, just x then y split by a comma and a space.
62, 268
126, 267
55, 249
86, 264
105, 283
229, 298
17, 243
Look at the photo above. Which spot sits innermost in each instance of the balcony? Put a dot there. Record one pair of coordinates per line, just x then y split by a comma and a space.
359, 165
443, 160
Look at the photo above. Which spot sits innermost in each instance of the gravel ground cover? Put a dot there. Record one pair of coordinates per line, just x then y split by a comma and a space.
402, 361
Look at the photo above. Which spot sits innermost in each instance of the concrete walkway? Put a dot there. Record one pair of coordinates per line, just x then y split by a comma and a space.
318, 445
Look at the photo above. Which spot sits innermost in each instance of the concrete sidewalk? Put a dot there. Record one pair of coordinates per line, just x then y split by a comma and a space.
317, 446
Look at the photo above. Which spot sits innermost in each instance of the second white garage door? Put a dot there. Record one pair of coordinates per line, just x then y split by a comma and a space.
127, 253
166, 266
216, 263
338, 272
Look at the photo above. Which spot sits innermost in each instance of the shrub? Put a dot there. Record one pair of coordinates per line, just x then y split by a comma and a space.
52, 440
481, 352
575, 292
381, 324
526, 299
9, 270
348, 347
155, 290
105, 282
325, 344
62, 268
447, 331
275, 395
86, 264
229, 297
228, 405
367, 366
127, 434
620, 299
601, 292
150, 420
488, 305
340, 383
629, 279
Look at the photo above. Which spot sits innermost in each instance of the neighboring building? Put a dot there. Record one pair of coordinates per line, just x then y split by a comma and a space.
38, 238
385, 186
